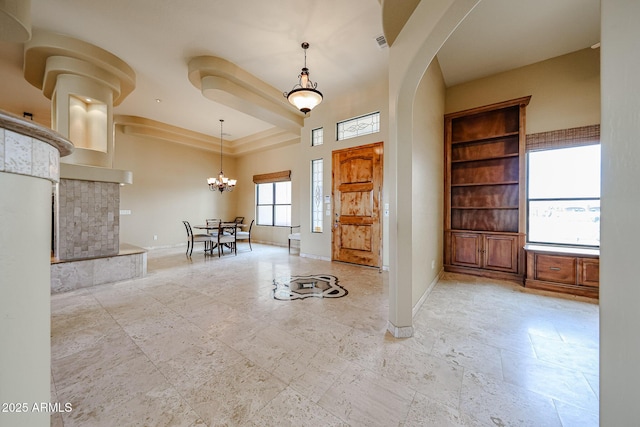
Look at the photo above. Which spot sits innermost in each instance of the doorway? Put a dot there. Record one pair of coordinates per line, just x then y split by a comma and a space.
356, 232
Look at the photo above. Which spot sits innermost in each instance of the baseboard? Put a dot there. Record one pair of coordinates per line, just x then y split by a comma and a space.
312, 256
151, 248
493, 274
401, 331
426, 293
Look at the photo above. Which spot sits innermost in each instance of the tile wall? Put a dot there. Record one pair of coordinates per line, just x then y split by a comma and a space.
24, 155
88, 219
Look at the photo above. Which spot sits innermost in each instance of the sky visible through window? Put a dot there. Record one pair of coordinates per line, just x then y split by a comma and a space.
567, 172
564, 196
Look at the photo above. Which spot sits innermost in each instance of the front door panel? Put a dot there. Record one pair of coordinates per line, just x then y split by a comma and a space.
357, 190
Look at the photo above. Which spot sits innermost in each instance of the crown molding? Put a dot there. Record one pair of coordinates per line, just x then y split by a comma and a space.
261, 141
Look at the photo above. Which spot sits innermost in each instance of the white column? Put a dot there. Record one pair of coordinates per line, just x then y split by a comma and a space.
28, 168
620, 229
409, 57
25, 358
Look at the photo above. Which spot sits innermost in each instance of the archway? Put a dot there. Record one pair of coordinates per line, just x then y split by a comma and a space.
413, 51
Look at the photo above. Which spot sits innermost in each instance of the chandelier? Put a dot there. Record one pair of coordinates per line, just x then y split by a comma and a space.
221, 182
304, 95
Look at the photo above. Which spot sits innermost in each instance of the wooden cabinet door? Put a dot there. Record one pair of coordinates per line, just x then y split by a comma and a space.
589, 272
490, 251
501, 252
466, 249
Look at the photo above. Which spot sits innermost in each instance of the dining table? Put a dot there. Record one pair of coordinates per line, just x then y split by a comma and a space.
223, 225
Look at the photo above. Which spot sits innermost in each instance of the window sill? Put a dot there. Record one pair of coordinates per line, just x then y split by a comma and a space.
563, 250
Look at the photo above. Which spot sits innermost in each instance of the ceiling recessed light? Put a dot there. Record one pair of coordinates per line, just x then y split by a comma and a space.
158, 100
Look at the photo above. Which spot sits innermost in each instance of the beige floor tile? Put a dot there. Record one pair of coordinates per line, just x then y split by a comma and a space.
274, 349
312, 376
570, 356
368, 349
485, 401
132, 390
573, 416
290, 408
594, 382
95, 361
202, 342
548, 379
234, 396
468, 353
425, 411
196, 364
437, 378
362, 397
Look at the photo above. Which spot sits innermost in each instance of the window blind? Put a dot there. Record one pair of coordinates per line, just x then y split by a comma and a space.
563, 138
272, 177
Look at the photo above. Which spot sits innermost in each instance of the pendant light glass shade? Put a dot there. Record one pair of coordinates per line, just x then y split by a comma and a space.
304, 95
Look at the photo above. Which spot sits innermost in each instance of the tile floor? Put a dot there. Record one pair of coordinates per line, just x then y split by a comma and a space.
203, 343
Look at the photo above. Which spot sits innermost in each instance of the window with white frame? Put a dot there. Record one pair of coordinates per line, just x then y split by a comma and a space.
317, 137
358, 126
273, 199
316, 195
563, 186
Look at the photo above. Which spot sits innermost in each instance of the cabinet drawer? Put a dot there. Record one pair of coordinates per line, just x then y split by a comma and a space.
554, 268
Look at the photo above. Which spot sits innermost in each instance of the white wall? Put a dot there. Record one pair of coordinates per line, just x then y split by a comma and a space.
619, 284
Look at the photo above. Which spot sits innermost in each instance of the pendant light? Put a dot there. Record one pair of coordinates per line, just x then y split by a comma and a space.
304, 95
221, 182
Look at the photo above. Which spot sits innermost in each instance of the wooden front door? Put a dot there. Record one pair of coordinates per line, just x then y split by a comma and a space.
357, 194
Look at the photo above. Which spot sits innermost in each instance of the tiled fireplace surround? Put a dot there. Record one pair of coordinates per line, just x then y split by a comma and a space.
88, 219
88, 250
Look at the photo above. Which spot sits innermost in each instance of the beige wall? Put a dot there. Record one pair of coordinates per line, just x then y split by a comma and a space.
297, 158
565, 91
428, 178
169, 186
362, 101
279, 159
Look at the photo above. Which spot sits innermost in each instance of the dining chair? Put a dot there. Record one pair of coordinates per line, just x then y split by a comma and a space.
293, 236
226, 237
214, 224
245, 235
207, 239
239, 220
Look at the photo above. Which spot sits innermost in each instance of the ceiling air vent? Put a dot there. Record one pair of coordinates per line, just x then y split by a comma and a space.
382, 42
